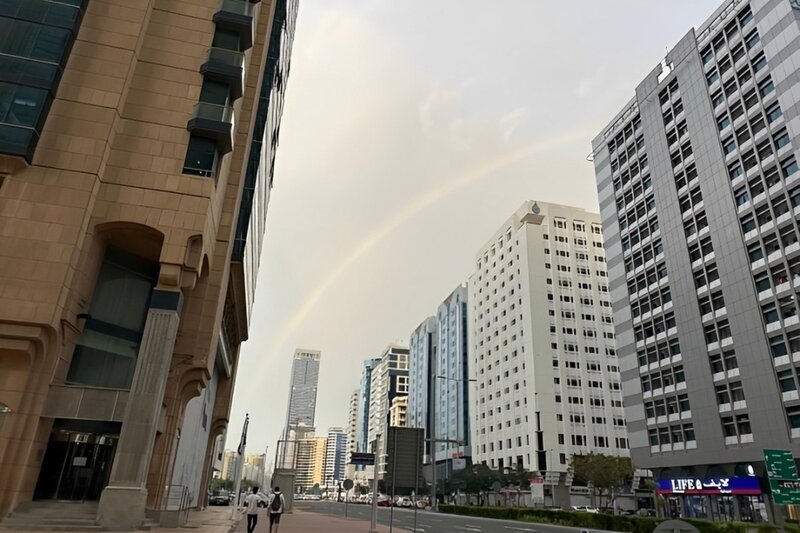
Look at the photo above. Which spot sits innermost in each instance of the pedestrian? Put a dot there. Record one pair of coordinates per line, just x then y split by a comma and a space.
251, 509
275, 509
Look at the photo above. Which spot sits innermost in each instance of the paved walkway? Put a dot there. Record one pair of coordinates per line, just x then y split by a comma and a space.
305, 522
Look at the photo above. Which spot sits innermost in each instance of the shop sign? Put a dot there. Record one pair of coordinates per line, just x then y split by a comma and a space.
746, 485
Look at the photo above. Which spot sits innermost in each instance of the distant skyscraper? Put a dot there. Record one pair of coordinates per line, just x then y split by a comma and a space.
699, 188
439, 348
335, 456
389, 380
352, 432
363, 405
423, 347
303, 388
543, 339
310, 464
229, 462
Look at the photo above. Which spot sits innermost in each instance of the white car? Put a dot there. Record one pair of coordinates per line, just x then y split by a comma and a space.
585, 509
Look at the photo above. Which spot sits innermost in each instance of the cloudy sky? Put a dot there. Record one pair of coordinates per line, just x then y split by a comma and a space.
412, 130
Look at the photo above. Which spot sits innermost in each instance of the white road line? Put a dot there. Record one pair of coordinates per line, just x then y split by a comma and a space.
519, 528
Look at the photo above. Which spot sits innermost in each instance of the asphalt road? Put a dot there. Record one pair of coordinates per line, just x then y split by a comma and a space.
427, 522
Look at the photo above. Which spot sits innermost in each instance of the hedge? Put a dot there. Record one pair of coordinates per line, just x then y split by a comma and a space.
632, 524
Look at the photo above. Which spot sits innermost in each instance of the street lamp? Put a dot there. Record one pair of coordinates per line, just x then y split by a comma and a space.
433, 440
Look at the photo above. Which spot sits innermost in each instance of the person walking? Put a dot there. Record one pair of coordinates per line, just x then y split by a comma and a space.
275, 509
251, 509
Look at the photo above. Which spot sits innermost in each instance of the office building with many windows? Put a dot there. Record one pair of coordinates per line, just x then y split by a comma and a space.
137, 144
388, 388
439, 383
543, 349
699, 193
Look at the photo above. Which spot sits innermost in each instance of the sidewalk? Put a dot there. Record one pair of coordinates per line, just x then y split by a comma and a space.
306, 522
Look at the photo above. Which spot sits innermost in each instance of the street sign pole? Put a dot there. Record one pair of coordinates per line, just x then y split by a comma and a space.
373, 527
348, 484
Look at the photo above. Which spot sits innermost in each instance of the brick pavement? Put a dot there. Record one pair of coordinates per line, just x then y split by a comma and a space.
306, 522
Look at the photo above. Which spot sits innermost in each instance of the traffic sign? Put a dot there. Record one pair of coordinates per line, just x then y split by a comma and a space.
348, 484
782, 474
362, 459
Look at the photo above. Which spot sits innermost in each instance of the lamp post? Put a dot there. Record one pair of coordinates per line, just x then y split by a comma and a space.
373, 527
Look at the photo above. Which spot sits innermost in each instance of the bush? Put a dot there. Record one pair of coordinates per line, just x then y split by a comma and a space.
632, 524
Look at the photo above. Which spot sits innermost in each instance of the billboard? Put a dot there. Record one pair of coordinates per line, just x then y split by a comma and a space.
745, 485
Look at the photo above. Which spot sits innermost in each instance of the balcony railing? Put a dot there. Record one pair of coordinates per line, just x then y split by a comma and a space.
227, 66
213, 112
237, 15
231, 58
237, 7
214, 121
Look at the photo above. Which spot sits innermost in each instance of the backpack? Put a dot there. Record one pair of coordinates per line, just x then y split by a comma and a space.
275, 506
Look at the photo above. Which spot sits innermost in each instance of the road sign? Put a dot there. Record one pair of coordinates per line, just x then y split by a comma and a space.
362, 459
782, 474
537, 490
348, 484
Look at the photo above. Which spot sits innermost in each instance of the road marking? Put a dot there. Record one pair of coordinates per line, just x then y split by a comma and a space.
519, 528
472, 528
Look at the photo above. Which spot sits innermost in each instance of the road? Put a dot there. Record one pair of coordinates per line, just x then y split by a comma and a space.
428, 522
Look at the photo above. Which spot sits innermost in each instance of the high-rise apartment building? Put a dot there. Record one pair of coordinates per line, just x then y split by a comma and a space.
389, 380
335, 456
423, 347
699, 192
137, 145
398, 412
310, 463
364, 399
352, 433
303, 388
439, 366
548, 384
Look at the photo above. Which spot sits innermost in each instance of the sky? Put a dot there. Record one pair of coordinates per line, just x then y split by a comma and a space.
411, 131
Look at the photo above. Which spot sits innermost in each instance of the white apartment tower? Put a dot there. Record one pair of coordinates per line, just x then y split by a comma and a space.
548, 384
352, 432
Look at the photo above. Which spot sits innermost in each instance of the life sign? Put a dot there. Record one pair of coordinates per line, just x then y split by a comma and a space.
746, 485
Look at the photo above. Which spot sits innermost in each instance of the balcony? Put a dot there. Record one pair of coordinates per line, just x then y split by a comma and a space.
237, 15
214, 121
226, 66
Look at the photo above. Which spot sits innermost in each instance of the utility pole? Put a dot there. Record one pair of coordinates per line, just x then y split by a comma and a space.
240, 466
373, 527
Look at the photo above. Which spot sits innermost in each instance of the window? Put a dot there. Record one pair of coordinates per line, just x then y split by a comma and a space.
766, 87
712, 77
201, 157
752, 40
789, 166
774, 112
105, 355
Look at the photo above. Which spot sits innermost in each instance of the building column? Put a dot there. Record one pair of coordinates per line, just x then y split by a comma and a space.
123, 502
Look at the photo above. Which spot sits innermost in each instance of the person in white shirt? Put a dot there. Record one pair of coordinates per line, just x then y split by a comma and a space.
275, 509
251, 509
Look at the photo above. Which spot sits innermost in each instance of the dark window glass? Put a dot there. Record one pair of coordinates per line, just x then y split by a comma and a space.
201, 157
27, 39
105, 355
228, 39
214, 92
21, 105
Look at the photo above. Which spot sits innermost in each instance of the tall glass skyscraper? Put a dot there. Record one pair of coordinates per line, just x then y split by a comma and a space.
303, 389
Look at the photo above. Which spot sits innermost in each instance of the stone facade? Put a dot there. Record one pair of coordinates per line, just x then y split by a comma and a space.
108, 172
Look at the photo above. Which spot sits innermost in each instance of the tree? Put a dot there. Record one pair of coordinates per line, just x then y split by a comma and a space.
316, 489
604, 473
362, 489
220, 484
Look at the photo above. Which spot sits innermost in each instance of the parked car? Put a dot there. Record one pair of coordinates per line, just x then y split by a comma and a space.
405, 501
585, 509
263, 499
384, 501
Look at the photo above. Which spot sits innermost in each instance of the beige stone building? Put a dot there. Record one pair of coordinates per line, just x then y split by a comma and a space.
137, 143
310, 463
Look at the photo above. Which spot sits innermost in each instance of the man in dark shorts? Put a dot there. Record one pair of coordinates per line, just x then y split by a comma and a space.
275, 509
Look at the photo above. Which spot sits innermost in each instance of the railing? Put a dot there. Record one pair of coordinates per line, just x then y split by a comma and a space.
215, 112
240, 7
178, 499
226, 56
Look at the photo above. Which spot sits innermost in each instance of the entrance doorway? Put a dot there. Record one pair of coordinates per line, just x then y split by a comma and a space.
78, 460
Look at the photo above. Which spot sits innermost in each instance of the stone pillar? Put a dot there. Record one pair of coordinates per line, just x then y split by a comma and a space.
123, 502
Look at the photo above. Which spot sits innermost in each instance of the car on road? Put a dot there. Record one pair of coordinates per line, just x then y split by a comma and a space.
585, 509
222, 498
405, 501
384, 501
